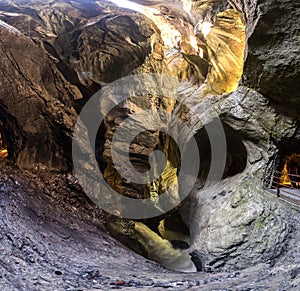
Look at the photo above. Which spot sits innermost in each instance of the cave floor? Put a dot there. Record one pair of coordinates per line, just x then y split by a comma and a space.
53, 238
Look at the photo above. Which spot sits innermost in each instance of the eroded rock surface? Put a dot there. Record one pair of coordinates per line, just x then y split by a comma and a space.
55, 55
36, 104
272, 56
235, 222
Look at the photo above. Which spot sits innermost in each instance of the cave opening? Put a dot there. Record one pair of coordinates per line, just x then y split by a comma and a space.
288, 164
209, 52
53, 237
290, 171
220, 47
282, 174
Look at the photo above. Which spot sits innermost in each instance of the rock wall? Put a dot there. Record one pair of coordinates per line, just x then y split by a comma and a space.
35, 104
272, 55
235, 223
70, 49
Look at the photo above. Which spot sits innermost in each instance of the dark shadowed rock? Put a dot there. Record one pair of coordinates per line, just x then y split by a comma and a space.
273, 50
35, 103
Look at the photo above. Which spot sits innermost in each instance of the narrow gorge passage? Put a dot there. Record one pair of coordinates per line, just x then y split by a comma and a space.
209, 57
212, 101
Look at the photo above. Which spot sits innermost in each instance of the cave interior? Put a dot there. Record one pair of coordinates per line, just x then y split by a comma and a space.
224, 55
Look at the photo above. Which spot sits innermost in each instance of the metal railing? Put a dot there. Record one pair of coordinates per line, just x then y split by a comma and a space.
290, 190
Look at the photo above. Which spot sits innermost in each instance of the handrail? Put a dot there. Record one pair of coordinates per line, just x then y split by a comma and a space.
272, 181
288, 174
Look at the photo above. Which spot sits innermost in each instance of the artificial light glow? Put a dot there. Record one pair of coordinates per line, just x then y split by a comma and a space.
3, 153
285, 179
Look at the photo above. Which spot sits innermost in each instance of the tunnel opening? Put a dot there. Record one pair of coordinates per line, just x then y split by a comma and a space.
282, 174
288, 163
290, 170
12, 136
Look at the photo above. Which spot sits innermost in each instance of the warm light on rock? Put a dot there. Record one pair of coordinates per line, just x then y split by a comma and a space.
206, 28
226, 45
3, 153
193, 42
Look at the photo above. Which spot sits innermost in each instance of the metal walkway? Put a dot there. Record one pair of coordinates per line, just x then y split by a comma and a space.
292, 195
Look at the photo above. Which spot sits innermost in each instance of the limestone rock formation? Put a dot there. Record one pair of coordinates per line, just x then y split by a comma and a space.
61, 69
235, 223
237, 60
272, 55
